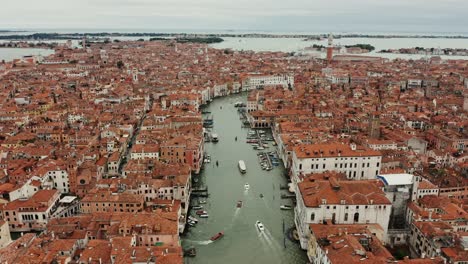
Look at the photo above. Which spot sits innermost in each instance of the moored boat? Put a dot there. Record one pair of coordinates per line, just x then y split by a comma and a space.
239, 204
201, 212
197, 207
204, 216
286, 207
246, 186
191, 252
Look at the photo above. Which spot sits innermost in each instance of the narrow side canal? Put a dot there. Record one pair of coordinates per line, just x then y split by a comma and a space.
242, 242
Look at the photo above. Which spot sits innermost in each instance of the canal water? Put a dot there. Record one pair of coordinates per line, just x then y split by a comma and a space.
242, 242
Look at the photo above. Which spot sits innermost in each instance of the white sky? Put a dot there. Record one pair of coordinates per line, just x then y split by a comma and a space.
293, 15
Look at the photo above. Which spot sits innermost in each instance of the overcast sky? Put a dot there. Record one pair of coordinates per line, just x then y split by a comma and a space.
277, 15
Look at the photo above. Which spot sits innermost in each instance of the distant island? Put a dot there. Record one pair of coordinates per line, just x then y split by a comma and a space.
25, 44
208, 40
428, 51
205, 40
355, 49
61, 36
10, 31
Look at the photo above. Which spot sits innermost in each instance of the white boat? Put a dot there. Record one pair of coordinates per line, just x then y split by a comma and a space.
246, 186
193, 219
242, 167
286, 207
197, 207
260, 148
204, 216
202, 202
214, 137
260, 226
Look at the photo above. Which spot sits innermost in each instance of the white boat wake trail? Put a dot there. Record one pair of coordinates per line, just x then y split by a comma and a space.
204, 242
272, 240
234, 217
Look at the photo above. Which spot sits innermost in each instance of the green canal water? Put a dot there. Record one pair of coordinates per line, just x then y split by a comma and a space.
242, 242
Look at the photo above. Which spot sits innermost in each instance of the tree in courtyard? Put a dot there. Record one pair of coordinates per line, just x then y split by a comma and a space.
120, 64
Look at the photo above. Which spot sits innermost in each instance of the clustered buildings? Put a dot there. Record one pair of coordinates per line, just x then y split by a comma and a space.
98, 147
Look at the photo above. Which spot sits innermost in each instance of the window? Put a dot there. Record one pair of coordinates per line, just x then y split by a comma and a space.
346, 216
312, 217
300, 166
356, 217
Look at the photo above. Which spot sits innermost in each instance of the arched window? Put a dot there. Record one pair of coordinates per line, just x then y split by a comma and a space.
356, 217
312, 217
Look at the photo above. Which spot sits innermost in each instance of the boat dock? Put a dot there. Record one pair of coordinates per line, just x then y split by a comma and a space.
200, 192
288, 196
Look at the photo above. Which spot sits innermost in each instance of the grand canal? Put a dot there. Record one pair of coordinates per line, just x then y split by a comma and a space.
242, 243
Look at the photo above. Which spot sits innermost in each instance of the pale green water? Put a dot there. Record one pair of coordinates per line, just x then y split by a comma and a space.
9, 54
298, 44
242, 242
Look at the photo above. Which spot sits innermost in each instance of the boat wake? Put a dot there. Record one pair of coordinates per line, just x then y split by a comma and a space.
236, 213
205, 242
234, 217
267, 239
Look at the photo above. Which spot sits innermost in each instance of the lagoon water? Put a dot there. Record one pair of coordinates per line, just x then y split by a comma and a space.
298, 44
9, 54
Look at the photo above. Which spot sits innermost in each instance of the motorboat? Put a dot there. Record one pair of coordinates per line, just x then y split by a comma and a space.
191, 252
217, 236
202, 202
242, 167
286, 207
246, 186
197, 207
260, 148
204, 216
214, 137
193, 219
239, 204
191, 224
260, 226
201, 212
